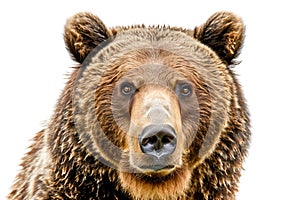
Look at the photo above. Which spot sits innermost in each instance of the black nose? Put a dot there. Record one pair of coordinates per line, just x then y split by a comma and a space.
158, 140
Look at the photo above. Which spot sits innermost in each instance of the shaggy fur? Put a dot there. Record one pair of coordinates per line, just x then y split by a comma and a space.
90, 149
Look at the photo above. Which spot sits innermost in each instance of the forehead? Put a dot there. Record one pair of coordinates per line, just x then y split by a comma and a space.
153, 73
141, 43
151, 55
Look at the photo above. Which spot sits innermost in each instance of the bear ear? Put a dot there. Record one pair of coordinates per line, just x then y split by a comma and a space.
224, 33
83, 32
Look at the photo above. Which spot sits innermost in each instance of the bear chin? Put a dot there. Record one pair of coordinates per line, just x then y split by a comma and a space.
156, 185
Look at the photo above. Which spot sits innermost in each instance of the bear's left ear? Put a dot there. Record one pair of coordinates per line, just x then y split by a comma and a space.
224, 33
83, 32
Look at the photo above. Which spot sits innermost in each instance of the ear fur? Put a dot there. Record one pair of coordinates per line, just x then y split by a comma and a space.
224, 33
83, 32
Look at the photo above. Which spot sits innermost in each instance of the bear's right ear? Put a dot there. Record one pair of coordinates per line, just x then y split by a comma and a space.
83, 32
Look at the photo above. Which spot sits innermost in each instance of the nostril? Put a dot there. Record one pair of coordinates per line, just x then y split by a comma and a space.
158, 140
167, 139
149, 140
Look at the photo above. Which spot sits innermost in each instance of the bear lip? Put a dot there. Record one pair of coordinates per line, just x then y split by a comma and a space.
160, 170
157, 167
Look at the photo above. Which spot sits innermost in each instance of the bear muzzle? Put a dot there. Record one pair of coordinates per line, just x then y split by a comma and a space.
155, 133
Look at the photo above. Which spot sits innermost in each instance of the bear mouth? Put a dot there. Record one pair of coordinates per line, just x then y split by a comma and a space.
156, 168
161, 176
158, 176
155, 185
149, 165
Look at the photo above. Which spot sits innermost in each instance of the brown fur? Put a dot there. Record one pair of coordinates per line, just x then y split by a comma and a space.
90, 148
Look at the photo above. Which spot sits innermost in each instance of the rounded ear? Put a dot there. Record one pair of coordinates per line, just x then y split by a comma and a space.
224, 33
83, 32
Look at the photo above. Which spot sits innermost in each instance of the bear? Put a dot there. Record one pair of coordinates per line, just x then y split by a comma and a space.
148, 113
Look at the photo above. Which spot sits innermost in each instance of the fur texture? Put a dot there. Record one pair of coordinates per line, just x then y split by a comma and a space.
91, 150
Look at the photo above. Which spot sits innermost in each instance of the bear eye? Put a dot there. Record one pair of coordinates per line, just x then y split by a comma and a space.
127, 89
184, 89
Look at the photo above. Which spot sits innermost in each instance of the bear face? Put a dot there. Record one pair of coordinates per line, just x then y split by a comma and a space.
149, 113
159, 95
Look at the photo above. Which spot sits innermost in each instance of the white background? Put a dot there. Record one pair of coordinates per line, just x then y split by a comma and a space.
34, 63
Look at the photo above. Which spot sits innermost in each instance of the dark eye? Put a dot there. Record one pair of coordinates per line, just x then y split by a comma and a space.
183, 89
127, 89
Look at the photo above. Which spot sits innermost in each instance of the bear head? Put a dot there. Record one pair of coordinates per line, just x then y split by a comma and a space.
154, 102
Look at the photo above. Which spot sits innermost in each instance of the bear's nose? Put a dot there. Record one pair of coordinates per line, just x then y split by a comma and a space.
158, 140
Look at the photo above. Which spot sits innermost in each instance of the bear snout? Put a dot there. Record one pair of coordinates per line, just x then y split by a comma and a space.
155, 135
